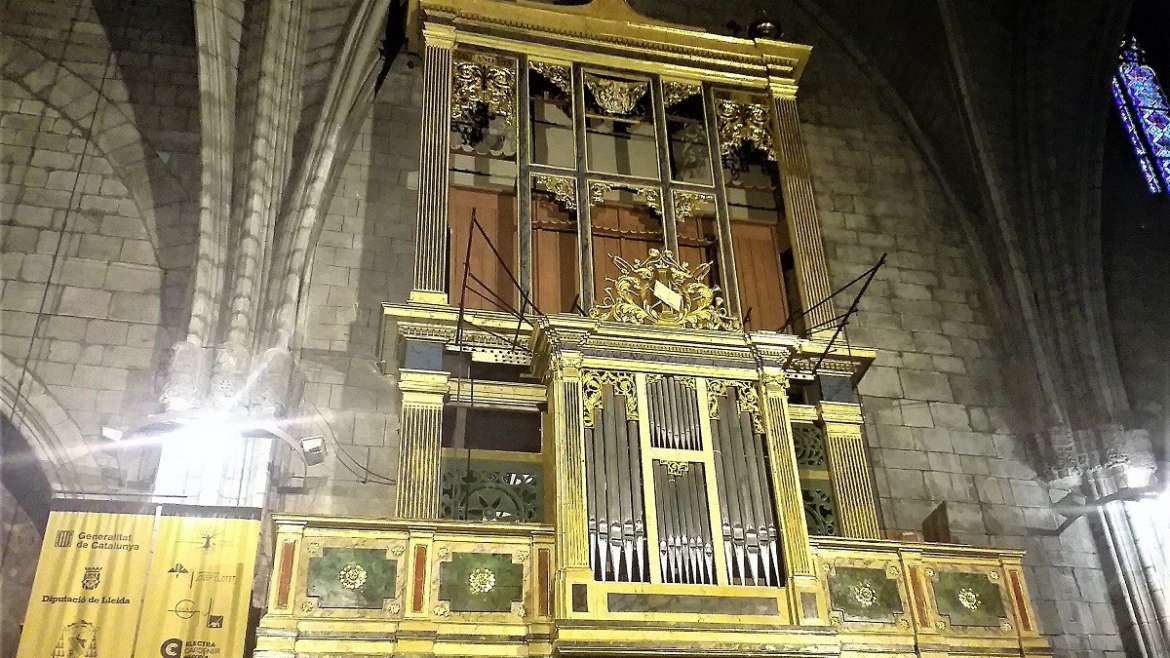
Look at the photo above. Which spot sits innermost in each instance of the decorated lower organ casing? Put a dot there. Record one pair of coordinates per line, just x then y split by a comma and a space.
708, 485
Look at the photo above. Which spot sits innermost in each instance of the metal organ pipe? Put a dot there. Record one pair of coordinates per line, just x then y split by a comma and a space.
617, 525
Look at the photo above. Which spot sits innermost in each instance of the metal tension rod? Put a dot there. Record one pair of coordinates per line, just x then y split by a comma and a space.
868, 273
872, 272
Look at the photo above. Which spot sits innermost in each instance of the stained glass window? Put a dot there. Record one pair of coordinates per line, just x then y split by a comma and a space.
1145, 114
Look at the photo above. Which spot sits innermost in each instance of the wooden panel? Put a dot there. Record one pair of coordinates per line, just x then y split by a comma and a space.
621, 231
757, 266
697, 244
554, 257
496, 212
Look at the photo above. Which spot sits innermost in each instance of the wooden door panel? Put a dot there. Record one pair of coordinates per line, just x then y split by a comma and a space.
757, 266
496, 213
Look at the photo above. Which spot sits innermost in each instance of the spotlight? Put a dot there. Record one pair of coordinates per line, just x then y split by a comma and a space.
313, 448
112, 434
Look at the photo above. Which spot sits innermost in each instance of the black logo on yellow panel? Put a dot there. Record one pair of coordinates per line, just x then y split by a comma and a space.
64, 539
91, 578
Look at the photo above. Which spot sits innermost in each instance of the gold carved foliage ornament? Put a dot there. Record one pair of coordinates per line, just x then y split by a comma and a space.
663, 292
616, 97
562, 188
747, 400
744, 124
481, 82
593, 383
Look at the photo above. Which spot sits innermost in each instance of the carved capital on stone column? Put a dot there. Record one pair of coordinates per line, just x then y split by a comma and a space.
1108, 450
183, 386
775, 384
275, 388
229, 377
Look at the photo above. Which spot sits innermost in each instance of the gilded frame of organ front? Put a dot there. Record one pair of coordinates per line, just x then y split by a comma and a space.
584, 73
661, 324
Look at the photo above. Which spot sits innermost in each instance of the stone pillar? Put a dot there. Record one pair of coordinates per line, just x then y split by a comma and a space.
420, 451
568, 482
1136, 555
849, 471
430, 240
785, 478
800, 210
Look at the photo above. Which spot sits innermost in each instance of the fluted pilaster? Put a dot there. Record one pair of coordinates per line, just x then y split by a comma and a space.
430, 260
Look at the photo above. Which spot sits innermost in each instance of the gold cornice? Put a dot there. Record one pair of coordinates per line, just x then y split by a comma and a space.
390, 525
422, 383
611, 26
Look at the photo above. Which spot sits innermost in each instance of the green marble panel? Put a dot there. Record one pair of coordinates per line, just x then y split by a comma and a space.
864, 594
481, 582
352, 578
968, 599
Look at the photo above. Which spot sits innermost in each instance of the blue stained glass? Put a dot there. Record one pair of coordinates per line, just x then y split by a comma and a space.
1143, 86
1138, 147
1145, 114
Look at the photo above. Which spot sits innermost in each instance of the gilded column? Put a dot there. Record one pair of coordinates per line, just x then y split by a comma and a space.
430, 259
420, 450
568, 454
785, 479
812, 271
849, 470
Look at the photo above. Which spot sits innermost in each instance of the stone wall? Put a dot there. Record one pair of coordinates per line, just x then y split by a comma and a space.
365, 256
99, 127
940, 419
20, 544
99, 134
941, 422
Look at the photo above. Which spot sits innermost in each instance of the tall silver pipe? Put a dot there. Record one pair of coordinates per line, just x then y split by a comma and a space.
721, 491
663, 533
613, 499
750, 462
735, 500
636, 489
591, 496
627, 490
730, 414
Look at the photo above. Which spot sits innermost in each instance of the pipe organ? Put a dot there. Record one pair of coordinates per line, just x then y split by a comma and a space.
601, 451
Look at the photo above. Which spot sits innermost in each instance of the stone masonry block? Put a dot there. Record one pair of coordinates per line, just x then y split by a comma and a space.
906, 484
134, 307
100, 377
84, 302
882, 382
82, 272
133, 278
924, 385
22, 296
104, 332
916, 414
950, 416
